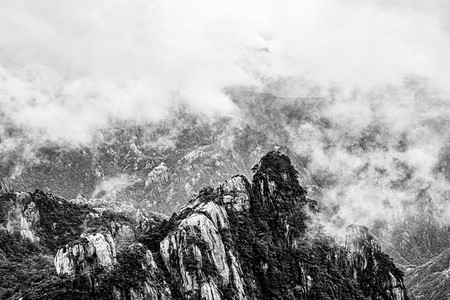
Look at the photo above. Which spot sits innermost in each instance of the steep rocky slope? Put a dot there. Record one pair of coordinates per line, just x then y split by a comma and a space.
155, 167
51, 248
430, 280
241, 240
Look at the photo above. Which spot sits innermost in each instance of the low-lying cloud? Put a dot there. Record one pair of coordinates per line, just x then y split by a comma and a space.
380, 154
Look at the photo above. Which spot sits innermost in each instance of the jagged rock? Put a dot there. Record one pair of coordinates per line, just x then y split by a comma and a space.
195, 253
239, 241
188, 189
22, 216
85, 256
204, 253
95, 254
430, 280
215, 212
158, 174
146, 221
237, 276
196, 246
235, 193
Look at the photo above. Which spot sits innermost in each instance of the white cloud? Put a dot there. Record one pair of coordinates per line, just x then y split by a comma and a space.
82, 62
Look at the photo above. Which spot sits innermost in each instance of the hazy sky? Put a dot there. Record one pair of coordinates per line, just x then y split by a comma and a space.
67, 67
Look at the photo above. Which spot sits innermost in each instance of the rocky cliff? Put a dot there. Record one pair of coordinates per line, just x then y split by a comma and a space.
431, 279
157, 167
55, 249
241, 240
247, 240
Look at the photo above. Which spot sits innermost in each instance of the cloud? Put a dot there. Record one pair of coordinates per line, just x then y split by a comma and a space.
68, 67
379, 153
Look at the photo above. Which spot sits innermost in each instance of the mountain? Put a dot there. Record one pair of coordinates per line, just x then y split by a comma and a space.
152, 166
430, 280
241, 240
361, 171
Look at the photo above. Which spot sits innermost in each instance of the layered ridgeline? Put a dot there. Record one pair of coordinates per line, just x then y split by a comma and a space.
241, 240
430, 280
154, 167
363, 170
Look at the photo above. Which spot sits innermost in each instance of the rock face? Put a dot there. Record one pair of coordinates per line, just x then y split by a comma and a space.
21, 215
158, 174
95, 255
430, 280
246, 241
242, 240
93, 251
235, 193
196, 257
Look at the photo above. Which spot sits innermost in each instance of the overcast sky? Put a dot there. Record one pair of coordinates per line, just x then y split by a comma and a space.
67, 67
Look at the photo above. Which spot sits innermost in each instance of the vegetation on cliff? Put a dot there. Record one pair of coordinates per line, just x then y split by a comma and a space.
262, 251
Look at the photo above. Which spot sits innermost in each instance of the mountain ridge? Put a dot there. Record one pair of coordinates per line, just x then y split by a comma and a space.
241, 240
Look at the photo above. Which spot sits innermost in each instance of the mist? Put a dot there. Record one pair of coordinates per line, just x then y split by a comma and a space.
381, 154
77, 65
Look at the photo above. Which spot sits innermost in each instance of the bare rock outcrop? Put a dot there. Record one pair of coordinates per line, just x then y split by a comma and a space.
83, 257
235, 193
21, 215
196, 256
430, 280
242, 240
158, 174
95, 254
247, 240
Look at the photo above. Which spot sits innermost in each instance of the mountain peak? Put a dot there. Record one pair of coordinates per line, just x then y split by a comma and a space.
240, 240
